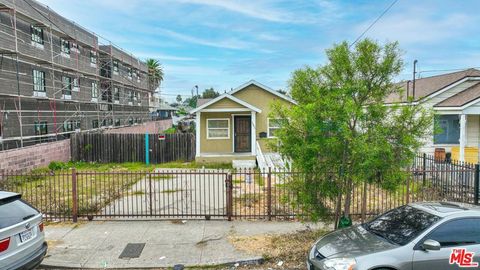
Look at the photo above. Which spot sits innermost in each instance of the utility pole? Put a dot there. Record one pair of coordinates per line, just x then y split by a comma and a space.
414, 75
408, 88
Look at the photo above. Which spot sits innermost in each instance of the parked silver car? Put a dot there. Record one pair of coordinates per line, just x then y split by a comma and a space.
417, 236
22, 240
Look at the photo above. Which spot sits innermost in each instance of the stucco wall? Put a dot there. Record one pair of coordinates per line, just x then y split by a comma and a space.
262, 100
225, 103
40, 155
253, 95
215, 145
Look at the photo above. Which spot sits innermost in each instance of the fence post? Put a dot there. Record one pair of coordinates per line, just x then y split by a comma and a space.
408, 188
147, 149
364, 202
269, 194
424, 174
229, 186
74, 196
476, 184
150, 192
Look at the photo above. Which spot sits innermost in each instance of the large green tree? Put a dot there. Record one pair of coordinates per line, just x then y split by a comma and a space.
341, 133
210, 93
155, 73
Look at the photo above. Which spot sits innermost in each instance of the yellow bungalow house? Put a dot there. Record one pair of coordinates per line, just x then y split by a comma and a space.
237, 125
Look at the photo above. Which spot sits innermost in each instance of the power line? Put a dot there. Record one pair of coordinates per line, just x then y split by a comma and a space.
374, 22
443, 70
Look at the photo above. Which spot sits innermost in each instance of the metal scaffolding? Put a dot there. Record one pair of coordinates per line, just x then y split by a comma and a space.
97, 67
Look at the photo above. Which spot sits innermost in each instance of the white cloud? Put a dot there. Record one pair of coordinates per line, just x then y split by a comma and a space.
227, 43
162, 57
255, 9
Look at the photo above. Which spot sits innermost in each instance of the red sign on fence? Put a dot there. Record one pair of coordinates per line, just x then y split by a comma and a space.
161, 137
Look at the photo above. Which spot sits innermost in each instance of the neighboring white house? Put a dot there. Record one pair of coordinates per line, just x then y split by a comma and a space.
455, 100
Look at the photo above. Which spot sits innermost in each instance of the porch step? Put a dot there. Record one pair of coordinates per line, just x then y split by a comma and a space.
241, 164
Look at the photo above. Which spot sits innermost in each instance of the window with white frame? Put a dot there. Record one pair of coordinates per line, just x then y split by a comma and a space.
76, 84
66, 86
68, 126
39, 81
116, 94
274, 124
65, 46
37, 34
448, 126
218, 128
93, 57
130, 95
74, 47
94, 90
115, 66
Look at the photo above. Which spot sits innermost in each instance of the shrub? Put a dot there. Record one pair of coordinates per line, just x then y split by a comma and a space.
58, 165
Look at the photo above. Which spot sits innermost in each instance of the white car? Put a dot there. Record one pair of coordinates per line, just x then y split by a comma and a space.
22, 240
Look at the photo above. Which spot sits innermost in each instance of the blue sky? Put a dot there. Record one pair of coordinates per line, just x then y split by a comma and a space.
222, 44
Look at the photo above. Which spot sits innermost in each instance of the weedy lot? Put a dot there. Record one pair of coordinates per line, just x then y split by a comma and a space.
284, 251
97, 184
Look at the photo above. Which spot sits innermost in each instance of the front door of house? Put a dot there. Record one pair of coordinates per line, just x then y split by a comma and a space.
242, 134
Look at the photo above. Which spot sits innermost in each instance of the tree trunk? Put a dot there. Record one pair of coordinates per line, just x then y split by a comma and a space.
338, 207
364, 202
348, 197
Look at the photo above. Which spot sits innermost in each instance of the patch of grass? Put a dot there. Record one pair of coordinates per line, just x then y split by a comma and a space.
100, 167
194, 165
129, 166
171, 190
171, 130
52, 192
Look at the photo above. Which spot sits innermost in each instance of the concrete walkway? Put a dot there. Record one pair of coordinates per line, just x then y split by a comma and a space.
173, 192
99, 244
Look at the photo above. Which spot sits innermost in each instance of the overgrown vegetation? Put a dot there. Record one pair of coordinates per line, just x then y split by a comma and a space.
128, 166
288, 249
342, 134
98, 184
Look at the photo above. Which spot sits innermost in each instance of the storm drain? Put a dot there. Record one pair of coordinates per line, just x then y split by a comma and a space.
132, 250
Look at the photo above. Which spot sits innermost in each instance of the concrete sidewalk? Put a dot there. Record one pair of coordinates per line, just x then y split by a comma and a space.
99, 244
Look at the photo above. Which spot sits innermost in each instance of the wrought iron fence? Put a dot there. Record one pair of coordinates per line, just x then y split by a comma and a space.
224, 194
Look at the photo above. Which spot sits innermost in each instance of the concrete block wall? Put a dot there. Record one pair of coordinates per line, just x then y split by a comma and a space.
31, 157
150, 127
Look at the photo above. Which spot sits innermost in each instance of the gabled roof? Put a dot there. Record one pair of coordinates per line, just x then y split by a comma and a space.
264, 87
462, 98
232, 98
428, 86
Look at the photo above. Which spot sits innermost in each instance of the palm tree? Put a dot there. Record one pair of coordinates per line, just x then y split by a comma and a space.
155, 73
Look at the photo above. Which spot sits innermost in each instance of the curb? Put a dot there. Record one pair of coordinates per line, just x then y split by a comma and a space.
253, 261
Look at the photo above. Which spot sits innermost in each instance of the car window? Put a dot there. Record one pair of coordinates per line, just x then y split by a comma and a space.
15, 211
401, 225
457, 232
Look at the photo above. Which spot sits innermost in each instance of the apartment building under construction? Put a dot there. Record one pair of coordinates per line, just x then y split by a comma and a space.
57, 78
